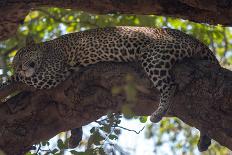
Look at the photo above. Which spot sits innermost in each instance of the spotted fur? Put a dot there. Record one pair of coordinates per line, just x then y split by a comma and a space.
47, 64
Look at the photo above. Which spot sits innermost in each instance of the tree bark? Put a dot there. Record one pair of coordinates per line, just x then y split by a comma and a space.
13, 12
203, 100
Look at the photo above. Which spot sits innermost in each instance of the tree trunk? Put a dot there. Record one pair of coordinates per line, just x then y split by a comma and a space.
203, 100
13, 12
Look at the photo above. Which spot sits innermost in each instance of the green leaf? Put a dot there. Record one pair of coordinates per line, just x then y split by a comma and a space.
97, 138
143, 119
113, 137
55, 151
74, 152
28, 153
92, 130
44, 143
101, 151
60, 144
117, 131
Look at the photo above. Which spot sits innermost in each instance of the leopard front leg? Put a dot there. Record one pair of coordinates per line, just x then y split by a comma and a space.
8, 87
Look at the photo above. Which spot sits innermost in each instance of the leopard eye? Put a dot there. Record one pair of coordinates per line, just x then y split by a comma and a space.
19, 67
32, 64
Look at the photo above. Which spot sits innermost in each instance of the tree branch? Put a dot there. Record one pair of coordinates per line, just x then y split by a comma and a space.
13, 12
203, 101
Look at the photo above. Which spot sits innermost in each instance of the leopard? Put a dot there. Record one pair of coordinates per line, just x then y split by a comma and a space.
45, 65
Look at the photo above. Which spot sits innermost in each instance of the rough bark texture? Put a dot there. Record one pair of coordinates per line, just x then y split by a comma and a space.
203, 100
13, 12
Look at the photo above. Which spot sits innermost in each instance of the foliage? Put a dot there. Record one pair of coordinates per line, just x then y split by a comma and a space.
48, 23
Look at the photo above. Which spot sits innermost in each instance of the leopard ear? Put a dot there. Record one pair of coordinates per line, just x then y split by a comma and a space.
29, 41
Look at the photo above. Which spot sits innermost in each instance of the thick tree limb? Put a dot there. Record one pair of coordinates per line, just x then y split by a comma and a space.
13, 12
203, 101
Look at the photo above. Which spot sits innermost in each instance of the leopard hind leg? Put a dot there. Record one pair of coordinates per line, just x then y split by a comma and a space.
167, 93
204, 142
158, 70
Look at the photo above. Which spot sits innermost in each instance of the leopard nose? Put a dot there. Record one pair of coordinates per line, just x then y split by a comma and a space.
24, 67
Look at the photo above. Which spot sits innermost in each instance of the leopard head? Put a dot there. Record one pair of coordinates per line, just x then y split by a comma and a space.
28, 60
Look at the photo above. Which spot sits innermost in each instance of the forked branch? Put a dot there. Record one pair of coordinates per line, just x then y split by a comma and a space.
203, 101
